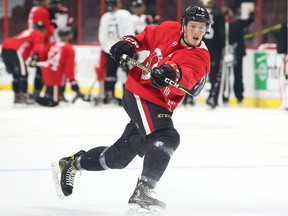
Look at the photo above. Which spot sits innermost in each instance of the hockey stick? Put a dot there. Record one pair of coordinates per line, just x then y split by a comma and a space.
226, 66
39, 64
193, 92
86, 98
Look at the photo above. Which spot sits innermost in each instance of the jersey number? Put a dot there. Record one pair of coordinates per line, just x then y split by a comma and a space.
54, 56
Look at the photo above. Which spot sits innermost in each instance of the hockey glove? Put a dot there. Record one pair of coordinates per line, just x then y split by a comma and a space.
127, 45
159, 74
34, 60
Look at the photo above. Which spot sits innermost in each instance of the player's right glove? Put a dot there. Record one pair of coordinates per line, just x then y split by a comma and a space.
34, 60
128, 45
159, 74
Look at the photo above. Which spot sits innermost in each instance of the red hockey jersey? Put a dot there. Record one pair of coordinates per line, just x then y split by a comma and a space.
41, 14
163, 42
28, 42
60, 58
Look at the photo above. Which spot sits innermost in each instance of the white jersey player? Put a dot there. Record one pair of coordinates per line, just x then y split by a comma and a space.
138, 15
59, 17
114, 24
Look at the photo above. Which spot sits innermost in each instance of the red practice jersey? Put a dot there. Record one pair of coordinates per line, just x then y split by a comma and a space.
41, 14
60, 58
28, 42
163, 42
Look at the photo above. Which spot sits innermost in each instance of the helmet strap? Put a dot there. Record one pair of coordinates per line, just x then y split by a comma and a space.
182, 36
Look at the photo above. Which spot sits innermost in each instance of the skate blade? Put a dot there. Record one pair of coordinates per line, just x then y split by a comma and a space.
136, 210
56, 177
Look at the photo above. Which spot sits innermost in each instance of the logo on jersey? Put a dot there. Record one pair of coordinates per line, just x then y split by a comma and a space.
145, 75
174, 43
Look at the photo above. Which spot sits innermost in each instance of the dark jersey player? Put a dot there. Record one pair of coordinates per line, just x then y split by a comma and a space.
176, 52
215, 42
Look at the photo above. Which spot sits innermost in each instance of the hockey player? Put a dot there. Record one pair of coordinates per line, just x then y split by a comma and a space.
215, 42
281, 43
138, 15
178, 53
236, 40
60, 59
115, 23
40, 12
15, 51
59, 17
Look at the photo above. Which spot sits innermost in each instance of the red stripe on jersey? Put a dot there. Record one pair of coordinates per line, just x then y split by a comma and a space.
147, 115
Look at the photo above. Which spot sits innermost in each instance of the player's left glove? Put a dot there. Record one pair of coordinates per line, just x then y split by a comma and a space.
128, 45
158, 75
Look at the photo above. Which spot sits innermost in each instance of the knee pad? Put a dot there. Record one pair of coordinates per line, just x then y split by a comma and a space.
167, 140
117, 156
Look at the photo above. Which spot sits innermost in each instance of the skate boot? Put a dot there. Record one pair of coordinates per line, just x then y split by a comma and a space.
142, 201
211, 102
22, 98
66, 168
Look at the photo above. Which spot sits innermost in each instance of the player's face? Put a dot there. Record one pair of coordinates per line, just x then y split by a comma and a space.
194, 32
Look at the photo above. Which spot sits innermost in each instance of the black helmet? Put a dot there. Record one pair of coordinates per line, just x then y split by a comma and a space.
196, 13
39, 25
65, 32
110, 4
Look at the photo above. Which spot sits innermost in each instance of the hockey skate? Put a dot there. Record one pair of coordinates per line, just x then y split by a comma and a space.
22, 98
142, 202
66, 169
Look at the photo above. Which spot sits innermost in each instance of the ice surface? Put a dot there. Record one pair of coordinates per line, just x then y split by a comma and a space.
231, 161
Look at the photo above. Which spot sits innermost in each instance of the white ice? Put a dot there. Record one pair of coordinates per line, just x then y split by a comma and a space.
231, 161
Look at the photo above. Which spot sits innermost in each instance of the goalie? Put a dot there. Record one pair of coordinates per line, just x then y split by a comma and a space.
176, 52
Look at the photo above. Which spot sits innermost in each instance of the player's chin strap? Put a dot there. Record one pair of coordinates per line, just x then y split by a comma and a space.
182, 37
192, 92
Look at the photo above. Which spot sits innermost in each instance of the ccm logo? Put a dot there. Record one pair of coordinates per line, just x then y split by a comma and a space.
132, 41
171, 82
164, 116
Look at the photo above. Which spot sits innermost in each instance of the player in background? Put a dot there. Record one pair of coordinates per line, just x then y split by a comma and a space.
40, 12
15, 51
139, 17
236, 40
60, 19
281, 43
60, 68
115, 23
177, 52
215, 41
141, 20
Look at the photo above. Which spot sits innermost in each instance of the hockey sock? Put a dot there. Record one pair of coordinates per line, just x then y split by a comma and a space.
38, 82
15, 85
90, 160
155, 163
23, 84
